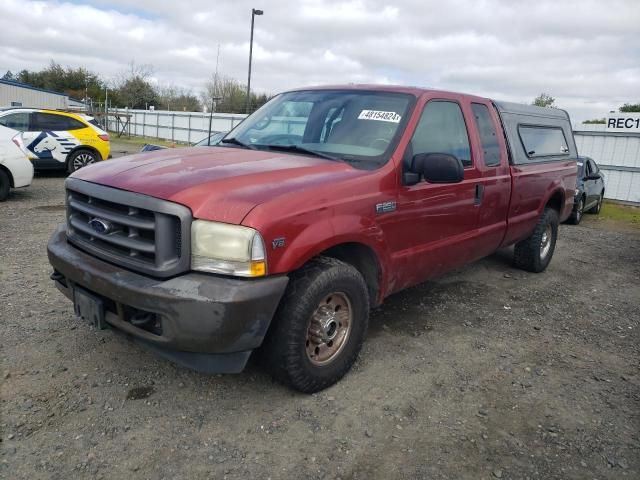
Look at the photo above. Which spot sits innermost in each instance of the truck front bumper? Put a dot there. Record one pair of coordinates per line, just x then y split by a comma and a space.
205, 322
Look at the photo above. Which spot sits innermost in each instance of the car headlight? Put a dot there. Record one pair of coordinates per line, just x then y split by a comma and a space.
227, 249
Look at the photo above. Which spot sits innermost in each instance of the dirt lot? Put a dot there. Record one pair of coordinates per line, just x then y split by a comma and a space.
488, 372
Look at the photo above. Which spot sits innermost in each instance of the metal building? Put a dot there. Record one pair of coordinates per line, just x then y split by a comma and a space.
618, 156
15, 94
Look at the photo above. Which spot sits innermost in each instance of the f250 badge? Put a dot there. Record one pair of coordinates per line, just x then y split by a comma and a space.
386, 207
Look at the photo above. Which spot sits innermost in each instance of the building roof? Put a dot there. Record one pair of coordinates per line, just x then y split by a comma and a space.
13, 83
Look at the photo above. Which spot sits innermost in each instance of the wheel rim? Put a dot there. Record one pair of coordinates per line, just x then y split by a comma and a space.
545, 243
82, 160
329, 328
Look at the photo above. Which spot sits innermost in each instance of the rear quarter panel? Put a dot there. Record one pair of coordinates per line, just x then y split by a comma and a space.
89, 137
532, 186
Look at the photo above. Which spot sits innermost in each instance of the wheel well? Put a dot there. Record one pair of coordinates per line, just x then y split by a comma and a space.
82, 147
556, 201
365, 260
8, 172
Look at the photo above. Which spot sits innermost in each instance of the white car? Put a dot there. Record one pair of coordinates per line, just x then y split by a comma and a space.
16, 170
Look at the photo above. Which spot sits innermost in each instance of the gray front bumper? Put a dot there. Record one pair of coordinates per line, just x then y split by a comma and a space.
208, 323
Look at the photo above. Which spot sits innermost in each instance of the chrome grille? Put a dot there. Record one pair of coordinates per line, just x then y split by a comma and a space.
136, 231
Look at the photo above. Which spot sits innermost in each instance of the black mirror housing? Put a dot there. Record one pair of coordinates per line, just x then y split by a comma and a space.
438, 167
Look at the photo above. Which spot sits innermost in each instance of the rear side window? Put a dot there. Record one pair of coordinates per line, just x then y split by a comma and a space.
543, 141
442, 130
16, 121
593, 166
488, 134
52, 122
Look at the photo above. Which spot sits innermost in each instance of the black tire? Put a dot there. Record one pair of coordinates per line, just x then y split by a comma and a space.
596, 210
577, 212
5, 185
286, 346
530, 254
81, 158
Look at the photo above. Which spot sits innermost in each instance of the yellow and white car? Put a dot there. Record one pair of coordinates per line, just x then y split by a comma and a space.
58, 140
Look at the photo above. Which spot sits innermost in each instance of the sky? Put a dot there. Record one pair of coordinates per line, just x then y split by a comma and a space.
585, 53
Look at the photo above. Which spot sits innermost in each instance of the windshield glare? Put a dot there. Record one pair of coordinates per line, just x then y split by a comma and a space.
346, 125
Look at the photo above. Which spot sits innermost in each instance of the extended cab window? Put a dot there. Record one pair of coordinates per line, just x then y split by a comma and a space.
543, 141
52, 122
16, 121
441, 129
488, 134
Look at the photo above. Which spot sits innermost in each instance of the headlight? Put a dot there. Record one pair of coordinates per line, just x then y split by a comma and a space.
577, 192
227, 249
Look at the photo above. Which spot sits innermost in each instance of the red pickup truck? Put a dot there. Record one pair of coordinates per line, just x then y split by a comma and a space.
313, 210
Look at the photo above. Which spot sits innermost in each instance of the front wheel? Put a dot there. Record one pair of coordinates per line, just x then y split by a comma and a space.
5, 185
534, 253
596, 210
576, 214
79, 159
319, 327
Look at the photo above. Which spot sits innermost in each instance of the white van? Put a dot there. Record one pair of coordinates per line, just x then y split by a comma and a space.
16, 170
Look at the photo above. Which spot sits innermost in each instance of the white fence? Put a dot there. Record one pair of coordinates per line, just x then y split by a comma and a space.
617, 154
187, 127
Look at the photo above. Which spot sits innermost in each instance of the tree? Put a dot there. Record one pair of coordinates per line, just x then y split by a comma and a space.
134, 90
629, 107
75, 82
544, 100
9, 76
175, 98
231, 95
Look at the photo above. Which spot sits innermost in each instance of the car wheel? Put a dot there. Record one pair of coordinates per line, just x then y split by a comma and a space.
5, 185
319, 327
596, 210
578, 211
79, 159
534, 253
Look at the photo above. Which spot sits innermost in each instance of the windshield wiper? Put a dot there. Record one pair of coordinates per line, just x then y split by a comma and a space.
235, 141
298, 148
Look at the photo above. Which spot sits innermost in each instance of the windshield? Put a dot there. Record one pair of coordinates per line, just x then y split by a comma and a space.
353, 126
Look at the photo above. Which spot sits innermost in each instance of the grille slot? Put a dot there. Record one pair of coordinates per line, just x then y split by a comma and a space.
136, 231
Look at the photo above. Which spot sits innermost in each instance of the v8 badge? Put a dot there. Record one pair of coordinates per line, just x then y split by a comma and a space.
277, 243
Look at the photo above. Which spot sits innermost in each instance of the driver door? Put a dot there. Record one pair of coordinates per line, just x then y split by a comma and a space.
435, 223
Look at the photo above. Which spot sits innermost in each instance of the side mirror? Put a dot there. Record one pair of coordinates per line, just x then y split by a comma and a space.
437, 167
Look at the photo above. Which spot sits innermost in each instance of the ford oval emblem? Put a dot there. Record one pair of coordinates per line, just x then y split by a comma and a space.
100, 226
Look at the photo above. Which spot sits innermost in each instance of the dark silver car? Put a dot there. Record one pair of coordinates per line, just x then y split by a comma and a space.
589, 190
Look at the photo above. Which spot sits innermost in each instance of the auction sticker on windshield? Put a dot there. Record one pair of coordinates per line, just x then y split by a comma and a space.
379, 115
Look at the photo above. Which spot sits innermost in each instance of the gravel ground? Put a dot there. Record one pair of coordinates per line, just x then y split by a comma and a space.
488, 372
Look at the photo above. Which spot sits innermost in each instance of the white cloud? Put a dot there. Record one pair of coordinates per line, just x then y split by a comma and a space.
583, 52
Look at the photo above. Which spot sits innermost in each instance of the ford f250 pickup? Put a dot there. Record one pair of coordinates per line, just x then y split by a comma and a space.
313, 210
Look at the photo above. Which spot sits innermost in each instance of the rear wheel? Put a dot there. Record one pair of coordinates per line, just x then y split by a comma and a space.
578, 211
319, 327
5, 185
534, 253
81, 158
596, 210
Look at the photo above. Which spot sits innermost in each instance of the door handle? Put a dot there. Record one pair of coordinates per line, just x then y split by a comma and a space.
479, 193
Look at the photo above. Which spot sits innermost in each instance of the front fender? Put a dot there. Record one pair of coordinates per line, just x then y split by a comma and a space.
330, 232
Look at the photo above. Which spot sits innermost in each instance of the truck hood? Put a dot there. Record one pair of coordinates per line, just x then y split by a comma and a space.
217, 183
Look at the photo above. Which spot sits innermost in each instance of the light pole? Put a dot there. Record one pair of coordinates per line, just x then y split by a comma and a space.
254, 12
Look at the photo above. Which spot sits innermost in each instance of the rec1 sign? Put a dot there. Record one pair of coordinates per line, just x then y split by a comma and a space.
623, 122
